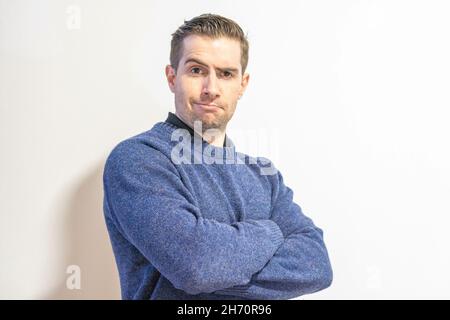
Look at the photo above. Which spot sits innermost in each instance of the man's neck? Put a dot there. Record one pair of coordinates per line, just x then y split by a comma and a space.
216, 139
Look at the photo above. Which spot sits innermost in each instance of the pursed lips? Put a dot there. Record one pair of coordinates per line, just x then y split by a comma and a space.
208, 105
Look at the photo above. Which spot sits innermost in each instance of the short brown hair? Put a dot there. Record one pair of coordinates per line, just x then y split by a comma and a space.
210, 25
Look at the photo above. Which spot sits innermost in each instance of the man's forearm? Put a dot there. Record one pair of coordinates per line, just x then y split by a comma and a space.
300, 266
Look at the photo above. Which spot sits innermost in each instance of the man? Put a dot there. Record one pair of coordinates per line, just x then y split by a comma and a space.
202, 221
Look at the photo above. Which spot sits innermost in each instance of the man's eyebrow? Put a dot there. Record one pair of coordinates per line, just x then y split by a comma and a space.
204, 64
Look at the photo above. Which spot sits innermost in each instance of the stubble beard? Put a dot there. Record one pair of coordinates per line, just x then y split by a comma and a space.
218, 122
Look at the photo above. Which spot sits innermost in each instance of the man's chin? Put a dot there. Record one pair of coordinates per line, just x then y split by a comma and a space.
209, 122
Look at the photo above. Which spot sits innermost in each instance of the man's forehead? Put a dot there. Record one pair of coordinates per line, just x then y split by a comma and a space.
223, 52
196, 39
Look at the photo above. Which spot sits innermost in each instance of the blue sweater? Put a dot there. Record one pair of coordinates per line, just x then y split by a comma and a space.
211, 230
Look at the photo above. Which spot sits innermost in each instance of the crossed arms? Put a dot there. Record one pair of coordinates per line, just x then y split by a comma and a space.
278, 258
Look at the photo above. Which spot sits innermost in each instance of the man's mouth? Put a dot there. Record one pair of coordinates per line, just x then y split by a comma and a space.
208, 106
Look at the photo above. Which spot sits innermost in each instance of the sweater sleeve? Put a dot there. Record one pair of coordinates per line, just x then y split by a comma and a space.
154, 210
300, 266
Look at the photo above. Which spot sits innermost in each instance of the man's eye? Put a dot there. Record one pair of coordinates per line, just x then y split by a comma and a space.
196, 70
227, 74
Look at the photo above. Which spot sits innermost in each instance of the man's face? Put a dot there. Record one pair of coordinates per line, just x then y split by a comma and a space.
208, 82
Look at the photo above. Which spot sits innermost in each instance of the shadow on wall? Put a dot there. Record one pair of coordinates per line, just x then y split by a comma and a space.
87, 244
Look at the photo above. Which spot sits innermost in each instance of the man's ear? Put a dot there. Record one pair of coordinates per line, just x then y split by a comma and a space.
171, 75
244, 84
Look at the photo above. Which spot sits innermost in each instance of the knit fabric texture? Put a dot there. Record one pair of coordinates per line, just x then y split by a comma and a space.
188, 220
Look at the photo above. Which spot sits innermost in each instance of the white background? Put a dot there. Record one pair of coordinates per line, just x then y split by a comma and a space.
356, 94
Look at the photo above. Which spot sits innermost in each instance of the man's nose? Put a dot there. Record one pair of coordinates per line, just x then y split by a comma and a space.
211, 87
